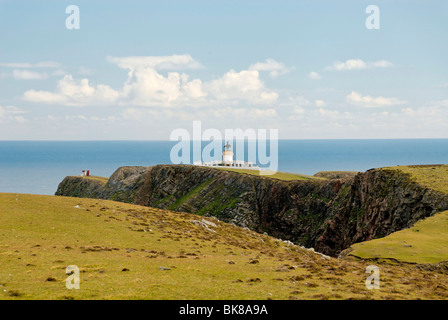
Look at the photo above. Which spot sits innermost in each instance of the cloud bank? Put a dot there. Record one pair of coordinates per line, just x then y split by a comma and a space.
358, 64
148, 86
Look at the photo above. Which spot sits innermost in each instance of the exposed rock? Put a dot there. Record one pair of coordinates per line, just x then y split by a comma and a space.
205, 224
163, 268
377, 203
77, 186
328, 215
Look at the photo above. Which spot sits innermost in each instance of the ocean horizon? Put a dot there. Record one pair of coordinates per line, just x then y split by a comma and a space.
37, 167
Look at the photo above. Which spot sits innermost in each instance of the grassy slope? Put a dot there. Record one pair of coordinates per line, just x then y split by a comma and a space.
95, 178
336, 174
278, 175
41, 235
432, 176
427, 240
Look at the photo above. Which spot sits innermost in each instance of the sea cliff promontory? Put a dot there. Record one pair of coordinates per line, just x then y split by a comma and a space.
328, 214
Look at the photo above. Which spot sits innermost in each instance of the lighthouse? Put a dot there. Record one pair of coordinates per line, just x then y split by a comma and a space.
228, 160
227, 155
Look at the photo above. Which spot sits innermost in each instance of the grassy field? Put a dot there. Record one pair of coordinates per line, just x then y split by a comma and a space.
431, 176
130, 252
277, 175
425, 242
95, 178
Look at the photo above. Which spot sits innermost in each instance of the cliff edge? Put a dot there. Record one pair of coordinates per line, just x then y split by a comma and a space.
328, 215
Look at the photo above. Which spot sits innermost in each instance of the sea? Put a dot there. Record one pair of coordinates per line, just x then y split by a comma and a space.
37, 167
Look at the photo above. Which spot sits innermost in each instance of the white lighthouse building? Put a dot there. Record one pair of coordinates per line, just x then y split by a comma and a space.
228, 160
227, 154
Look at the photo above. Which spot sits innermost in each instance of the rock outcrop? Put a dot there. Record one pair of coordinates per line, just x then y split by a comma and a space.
328, 215
81, 187
377, 203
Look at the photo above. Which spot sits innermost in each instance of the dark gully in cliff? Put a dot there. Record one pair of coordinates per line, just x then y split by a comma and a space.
328, 215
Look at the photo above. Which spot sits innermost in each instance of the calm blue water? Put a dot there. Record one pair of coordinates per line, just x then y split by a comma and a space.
38, 166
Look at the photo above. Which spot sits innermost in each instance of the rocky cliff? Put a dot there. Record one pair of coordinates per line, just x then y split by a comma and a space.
328, 215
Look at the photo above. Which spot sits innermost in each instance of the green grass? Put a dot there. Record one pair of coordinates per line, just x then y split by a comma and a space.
425, 242
120, 249
189, 195
336, 174
277, 175
217, 207
95, 178
431, 176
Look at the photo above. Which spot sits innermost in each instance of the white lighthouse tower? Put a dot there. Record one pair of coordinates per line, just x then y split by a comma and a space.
227, 155
228, 160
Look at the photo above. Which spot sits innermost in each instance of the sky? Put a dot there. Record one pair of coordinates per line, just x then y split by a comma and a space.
137, 70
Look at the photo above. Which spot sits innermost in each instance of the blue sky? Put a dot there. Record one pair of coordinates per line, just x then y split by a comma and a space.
140, 69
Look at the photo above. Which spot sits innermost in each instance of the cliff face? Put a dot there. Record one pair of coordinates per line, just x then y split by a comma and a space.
81, 187
377, 203
289, 210
328, 215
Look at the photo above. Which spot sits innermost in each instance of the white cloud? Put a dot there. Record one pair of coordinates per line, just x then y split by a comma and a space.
298, 110
145, 114
27, 65
351, 64
245, 113
433, 109
381, 64
276, 68
244, 85
408, 111
328, 113
11, 110
358, 64
193, 88
12, 113
53, 118
357, 99
20, 119
71, 92
173, 62
320, 103
81, 118
15, 64
262, 113
22, 70
28, 75
147, 87
45, 97
134, 113
297, 113
314, 75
